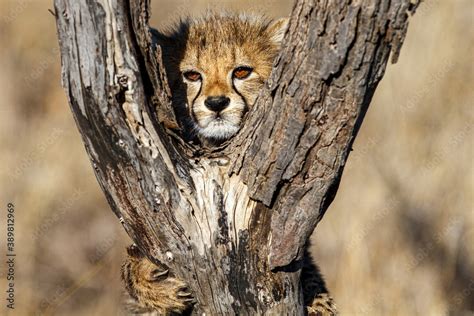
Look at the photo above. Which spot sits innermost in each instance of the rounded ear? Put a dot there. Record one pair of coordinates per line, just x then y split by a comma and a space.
158, 38
277, 30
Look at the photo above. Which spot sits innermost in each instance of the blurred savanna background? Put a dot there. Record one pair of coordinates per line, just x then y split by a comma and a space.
397, 240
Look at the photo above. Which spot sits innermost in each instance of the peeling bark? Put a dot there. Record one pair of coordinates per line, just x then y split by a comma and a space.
233, 221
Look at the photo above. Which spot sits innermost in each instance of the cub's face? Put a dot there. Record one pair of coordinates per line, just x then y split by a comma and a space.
220, 87
222, 64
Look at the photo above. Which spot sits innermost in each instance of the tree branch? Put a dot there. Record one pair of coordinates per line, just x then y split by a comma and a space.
232, 221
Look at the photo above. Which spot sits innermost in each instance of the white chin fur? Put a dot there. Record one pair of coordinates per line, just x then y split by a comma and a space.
219, 130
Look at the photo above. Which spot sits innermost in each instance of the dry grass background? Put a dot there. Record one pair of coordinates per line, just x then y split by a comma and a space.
398, 240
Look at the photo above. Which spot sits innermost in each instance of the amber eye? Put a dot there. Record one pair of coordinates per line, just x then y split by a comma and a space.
242, 72
192, 75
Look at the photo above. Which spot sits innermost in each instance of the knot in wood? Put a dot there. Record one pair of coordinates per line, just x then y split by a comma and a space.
122, 80
169, 256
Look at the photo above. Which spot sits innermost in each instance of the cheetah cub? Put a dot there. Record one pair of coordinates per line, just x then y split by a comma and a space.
216, 66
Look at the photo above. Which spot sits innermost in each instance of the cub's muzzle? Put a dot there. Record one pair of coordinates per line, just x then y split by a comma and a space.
217, 104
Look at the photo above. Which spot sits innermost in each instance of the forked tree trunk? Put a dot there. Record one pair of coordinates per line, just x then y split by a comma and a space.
232, 222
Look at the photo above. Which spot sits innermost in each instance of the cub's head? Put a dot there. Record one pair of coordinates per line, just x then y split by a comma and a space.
216, 66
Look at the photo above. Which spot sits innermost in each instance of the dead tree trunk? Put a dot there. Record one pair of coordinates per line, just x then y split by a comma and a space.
232, 222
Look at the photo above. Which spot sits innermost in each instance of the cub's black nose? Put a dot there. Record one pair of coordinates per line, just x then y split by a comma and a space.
217, 104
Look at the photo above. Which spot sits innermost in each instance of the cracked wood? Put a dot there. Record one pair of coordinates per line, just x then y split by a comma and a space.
232, 222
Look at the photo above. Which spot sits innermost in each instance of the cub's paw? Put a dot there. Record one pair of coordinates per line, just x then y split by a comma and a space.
152, 288
322, 305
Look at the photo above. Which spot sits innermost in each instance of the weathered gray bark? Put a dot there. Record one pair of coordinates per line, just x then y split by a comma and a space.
232, 222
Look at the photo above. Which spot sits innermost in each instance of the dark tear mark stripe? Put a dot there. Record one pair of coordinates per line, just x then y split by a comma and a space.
191, 110
241, 95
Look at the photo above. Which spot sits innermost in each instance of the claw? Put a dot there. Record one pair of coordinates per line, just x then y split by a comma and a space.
184, 294
190, 300
157, 274
182, 288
